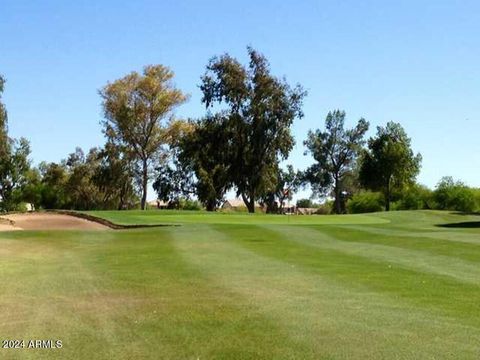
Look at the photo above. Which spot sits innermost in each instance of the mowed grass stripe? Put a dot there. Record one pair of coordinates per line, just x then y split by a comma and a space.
459, 241
431, 292
245, 291
459, 244
44, 303
126, 295
395, 252
181, 308
332, 316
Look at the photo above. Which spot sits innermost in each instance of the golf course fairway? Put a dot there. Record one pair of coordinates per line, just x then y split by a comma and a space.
400, 285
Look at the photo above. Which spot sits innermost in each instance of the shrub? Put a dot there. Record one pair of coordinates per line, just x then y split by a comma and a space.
187, 204
304, 203
365, 202
476, 195
417, 197
324, 209
455, 195
184, 204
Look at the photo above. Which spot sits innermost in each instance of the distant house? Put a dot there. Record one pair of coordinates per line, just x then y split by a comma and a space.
157, 204
306, 211
238, 205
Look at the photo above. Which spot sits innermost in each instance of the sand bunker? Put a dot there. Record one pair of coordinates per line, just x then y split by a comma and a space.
46, 221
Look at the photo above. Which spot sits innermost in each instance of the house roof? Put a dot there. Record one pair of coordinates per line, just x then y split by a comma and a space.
237, 203
157, 203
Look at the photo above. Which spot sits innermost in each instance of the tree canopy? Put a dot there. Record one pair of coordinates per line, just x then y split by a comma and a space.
14, 162
137, 110
259, 110
206, 152
3, 122
335, 151
389, 162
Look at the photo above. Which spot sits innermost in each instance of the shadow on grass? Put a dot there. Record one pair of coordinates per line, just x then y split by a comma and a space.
465, 213
462, 225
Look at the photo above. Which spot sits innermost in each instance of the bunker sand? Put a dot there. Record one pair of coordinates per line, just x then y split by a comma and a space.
47, 221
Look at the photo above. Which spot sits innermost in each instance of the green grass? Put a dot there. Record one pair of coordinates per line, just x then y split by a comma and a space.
151, 217
236, 286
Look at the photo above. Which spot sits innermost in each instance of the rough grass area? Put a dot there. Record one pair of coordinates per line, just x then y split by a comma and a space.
380, 286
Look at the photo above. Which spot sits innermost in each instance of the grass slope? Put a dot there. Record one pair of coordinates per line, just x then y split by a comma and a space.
380, 286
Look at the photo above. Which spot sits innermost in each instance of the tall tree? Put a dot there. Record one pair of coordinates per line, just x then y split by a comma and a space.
53, 185
3, 123
84, 194
288, 182
137, 109
174, 177
389, 162
335, 151
259, 109
114, 177
14, 162
205, 151
14, 168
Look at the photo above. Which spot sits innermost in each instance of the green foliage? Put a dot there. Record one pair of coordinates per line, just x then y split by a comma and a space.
389, 164
14, 162
288, 182
4, 140
98, 180
32, 189
136, 109
114, 176
476, 196
14, 167
335, 151
305, 203
365, 202
259, 110
188, 204
325, 208
53, 186
416, 197
204, 151
455, 195
172, 183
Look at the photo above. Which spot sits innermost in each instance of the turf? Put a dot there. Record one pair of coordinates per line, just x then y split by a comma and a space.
404, 285
153, 217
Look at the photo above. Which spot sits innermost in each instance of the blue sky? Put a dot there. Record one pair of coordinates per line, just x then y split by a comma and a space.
414, 62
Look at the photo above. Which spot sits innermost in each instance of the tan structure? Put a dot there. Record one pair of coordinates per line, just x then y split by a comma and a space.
237, 204
158, 204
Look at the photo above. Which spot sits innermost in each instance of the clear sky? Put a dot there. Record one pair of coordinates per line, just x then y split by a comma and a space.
414, 62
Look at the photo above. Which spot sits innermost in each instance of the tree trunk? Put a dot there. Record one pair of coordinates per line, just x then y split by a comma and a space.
249, 203
338, 204
144, 184
387, 197
211, 206
281, 204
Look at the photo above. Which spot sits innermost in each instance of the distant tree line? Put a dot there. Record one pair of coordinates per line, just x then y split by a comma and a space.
239, 144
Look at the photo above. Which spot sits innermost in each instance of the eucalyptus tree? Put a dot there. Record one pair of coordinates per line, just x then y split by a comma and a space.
138, 108
205, 151
14, 162
3, 122
114, 177
259, 110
